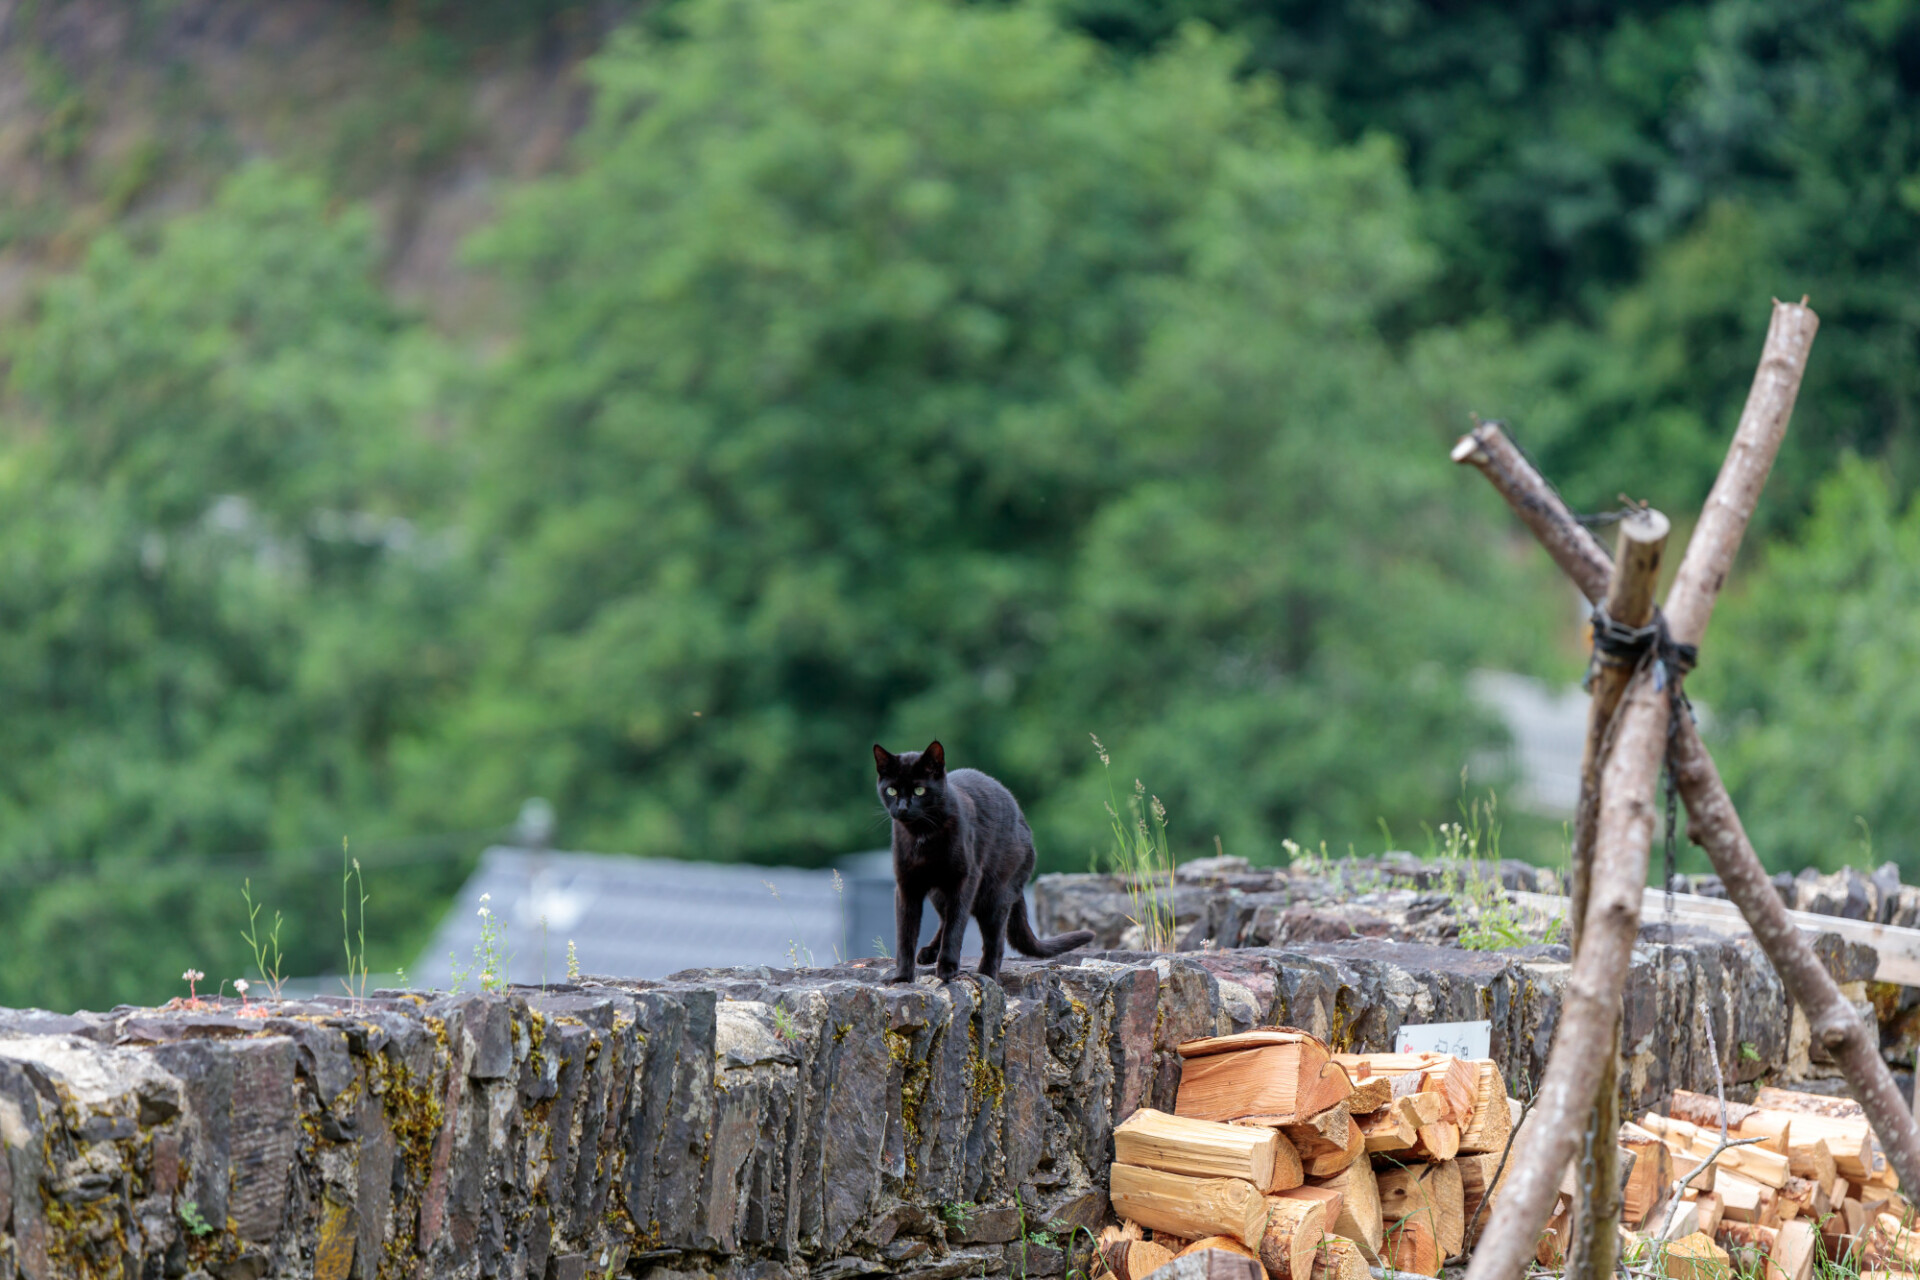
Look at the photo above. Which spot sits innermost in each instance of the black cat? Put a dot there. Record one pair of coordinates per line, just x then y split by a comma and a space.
961, 838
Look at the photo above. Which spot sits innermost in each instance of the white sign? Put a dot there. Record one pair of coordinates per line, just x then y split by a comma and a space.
1461, 1039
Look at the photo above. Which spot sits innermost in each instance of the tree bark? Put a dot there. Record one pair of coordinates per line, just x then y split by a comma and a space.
1591, 999
1596, 1207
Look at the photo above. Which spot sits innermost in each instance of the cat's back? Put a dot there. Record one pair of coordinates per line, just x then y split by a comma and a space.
993, 805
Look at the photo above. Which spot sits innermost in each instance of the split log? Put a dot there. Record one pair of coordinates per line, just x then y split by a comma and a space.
1228, 1243
1550, 1250
1795, 1102
1339, 1258
1686, 1221
1211, 1264
1394, 1127
1439, 1141
1477, 1185
1902, 1245
1695, 1257
1133, 1259
1294, 1229
1794, 1250
1808, 1198
1455, 1079
1189, 1207
1406, 1191
1492, 1120
1634, 578
1327, 1143
1198, 1148
1275, 1076
1329, 1198
1744, 1200
1449, 1206
1646, 1185
1370, 1094
1711, 1209
1172, 1243
1288, 1170
1359, 1217
1813, 1160
1742, 1121
1410, 1246
1754, 1162
1751, 1248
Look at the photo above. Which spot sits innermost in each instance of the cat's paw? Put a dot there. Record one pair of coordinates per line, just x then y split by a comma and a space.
928, 954
901, 975
947, 972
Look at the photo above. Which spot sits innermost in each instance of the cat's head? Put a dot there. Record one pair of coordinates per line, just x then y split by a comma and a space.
913, 784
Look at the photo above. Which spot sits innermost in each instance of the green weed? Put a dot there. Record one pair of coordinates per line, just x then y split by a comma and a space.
266, 951
1141, 858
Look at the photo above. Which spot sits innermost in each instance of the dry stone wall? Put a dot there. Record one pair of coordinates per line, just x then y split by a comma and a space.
812, 1125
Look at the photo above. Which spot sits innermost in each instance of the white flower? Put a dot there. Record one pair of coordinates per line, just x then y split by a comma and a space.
483, 913
486, 897
240, 985
192, 975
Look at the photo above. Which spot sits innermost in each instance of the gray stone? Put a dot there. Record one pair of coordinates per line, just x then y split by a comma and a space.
973, 1224
981, 1260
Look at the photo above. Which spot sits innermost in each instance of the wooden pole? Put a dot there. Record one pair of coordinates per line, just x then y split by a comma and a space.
1590, 1001
1714, 825
1636, 573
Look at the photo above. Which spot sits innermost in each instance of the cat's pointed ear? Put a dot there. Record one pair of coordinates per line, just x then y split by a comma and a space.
883, 759
934, 758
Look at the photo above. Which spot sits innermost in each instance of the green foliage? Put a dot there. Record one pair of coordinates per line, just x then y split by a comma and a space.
1812, 679
893, 370
1623, 186
219, 602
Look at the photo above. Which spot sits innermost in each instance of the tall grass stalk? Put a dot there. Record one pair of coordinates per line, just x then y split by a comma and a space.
353, 886
1141, 858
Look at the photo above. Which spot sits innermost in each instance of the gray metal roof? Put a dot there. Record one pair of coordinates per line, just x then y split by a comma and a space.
650, 917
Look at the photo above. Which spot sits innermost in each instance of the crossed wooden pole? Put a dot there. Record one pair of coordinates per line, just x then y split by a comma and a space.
1626, 748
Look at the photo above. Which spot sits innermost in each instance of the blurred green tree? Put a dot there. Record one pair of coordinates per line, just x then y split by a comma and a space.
218, 602
1812, 681
898, 370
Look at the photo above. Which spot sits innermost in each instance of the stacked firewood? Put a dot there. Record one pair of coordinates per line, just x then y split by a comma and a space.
1284, 1161
1807, 1183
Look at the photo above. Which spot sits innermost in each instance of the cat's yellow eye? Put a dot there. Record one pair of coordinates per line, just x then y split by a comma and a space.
892, 792
919, 791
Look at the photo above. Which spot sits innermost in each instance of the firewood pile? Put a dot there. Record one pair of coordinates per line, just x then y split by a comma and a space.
1808, 1183
1285, 1161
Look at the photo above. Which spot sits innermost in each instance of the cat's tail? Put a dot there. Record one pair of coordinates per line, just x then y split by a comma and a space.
1020, 934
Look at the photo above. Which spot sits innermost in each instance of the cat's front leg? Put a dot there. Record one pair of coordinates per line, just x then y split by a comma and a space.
953, 927
931, 952
907, 906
